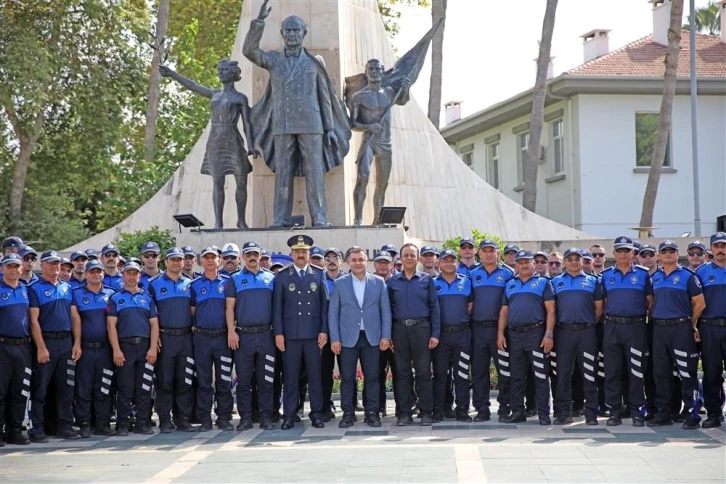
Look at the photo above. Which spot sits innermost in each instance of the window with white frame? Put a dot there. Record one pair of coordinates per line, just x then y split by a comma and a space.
493, 165
468, 158
558, 147
646, 127
522, 143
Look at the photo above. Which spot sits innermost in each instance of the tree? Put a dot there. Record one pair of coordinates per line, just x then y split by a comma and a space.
390, 14
130, 243
438, 12
477, 236
152, 106
666, 115
707, 20
536, 122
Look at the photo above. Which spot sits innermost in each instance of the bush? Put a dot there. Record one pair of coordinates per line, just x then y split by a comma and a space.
130, 243
478, 237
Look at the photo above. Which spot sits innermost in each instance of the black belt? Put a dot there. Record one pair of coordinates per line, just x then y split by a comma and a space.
14, 341
617, 319
254, 329
454, 329
61, 335
714, 321
411, 322
575, 326
525, 328
485, 324
94, 345
133, 341
175, 331
207, 332
671, 322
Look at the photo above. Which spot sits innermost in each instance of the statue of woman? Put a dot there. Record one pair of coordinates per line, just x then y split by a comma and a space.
226, 153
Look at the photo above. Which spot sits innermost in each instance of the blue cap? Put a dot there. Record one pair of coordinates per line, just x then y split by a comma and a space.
335, 251
718, 237
110, 247
697, 244
27, 250
466, 240
636, 246
316, 252
122, 259
212, 249
92, 254
131, 266
150, 247
647, 248
12, 242
12, 259
623, 243
390, 248
383, 255
586, 254
488, 243
572, 251
174, 253
264, 254
541, 253
66, 261
50, 256
667, 244
524, 254
94, 264
188, 250
511, 248
135, 260
429, 249
251, 246
448, 253
77, 254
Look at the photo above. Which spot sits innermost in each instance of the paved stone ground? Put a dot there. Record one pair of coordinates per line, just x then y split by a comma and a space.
447, 452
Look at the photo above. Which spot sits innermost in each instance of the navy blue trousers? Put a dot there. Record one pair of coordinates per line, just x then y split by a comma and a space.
525, 352
255, 357
483, 351
94, 378
213, 353
625, 350
134, 380
675, 347
60, 371
15, 373
369, 356
576, 347
175, 376
453, 351
297, 351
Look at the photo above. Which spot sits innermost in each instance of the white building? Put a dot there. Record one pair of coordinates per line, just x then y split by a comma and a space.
600, 121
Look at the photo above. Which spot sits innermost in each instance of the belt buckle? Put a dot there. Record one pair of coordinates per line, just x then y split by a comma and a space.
410, 322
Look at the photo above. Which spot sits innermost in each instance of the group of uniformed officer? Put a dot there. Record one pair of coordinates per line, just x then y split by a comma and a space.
107, 338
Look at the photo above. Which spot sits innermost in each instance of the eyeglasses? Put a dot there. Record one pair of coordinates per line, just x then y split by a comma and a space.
149, 255
622, 250
30, 258
540, 261
597, 254
646, 255
555, 263
668, 251
570, 261
696, 253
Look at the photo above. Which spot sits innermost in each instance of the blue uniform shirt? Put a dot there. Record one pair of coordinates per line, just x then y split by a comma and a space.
454, 299
33, 280
329, 280
526, 300
713, 279
415, 298
626, 293
465, 270
144, 281
133, 312
92, 307
54, 302
672, 293
488, 290
114, 282
576, 296
75, 282
253, 293
14, 305
208, 297
172, 300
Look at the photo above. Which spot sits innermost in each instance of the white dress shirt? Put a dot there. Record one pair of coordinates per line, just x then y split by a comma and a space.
359, 288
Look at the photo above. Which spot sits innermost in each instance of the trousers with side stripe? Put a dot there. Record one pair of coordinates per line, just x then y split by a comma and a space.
134, 379
255, 356
212, 354
15, 374
713, 351
625, 350
675, 347
453, 351
61, 371
576, 347
525, 352
484, 350
94, 378
175, 376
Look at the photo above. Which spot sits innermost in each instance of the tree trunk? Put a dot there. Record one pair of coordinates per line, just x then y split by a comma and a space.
438, 11
666, 114
536, 122
152, 106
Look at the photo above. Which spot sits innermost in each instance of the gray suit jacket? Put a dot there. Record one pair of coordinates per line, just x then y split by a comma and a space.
344, 312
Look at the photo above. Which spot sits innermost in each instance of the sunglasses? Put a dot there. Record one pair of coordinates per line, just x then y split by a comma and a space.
622, 251
229, 257
646, 255
111, 255
30, 258
555, 263
80, 259
597, 254
668, 251
331, 258
540, 261
696, 254
150, 255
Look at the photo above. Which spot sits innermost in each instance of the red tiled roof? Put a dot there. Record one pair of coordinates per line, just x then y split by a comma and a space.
646, 58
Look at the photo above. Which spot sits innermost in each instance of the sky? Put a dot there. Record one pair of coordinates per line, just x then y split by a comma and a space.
490, 46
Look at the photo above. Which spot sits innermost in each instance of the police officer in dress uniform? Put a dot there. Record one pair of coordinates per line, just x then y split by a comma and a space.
528, 313
15, 352
133, 331
628, 297
211, 348
488, 283
454, 291
579, 305
175, 368
249, 304
94, 370
56, 352
111, 258
677, 306
300, 320
713, 330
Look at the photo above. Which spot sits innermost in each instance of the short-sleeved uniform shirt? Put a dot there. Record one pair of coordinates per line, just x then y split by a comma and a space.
576, 296
92, 307
253, 294
672, 293
14, 306
133, 310
454, 298
525, 300
54, 303
208, 297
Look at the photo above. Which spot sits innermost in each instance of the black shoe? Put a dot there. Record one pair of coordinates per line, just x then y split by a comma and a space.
329, 415
205, 427
317, 423
711, 422
545, 420
267, 425
144, 430
680, 417
17, 439
503, 417
346, 421
404, 420
287, 424
604, 412
516, 417
483, 416
462, 416
614, 421
69, 434
296, 418
185, 426
690, 423
244, 424
165, 427
577, 412
562, 420
373, 420
122, 430
225, 425
449, 413
638, 421
649, 416
85, 430
103, 429
660, 422
437, 417
152, 423
590, 420
530, 412
427, 419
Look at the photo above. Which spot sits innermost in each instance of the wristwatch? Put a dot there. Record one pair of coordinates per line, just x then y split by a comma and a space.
550, 335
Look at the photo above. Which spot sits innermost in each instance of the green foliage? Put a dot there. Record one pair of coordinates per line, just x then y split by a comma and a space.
707, 20
130, 243
391, 15
478, 236
646, 128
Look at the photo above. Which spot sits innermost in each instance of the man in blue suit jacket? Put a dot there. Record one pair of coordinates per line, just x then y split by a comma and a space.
359, 321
